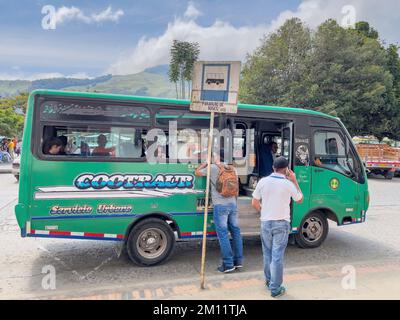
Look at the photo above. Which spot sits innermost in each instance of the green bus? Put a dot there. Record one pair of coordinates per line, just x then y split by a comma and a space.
101, 185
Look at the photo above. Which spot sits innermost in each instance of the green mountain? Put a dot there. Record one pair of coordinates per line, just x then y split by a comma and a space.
151, 82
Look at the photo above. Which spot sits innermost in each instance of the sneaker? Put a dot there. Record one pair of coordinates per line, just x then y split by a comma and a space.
267, 283
281, 291
238, 266
225, 269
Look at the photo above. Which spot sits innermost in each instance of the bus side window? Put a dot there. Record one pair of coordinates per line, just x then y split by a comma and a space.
330, 152
105, 142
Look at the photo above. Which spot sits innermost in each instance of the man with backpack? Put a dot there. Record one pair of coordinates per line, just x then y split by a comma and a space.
224, 191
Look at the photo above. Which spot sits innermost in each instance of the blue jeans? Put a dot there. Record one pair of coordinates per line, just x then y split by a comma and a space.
225, 220
274, 238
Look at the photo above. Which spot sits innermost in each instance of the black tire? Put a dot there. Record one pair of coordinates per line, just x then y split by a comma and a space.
389, 175
313, 230
143, 251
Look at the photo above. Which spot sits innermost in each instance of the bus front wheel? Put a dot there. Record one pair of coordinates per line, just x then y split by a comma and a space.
150, 242
313, 230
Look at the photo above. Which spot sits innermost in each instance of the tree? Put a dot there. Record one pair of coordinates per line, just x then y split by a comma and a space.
393, 65
183, 56
12, 117
275, 72
343, 72
366, 30
350, 78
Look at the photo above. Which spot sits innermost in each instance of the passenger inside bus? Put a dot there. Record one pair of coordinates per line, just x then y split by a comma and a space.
265, 160
256, 144
101, 150
85, 149
52, 146
267, 154
64, 141
274, 150
331, 146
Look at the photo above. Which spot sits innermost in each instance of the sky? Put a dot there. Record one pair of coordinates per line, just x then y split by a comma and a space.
53, 38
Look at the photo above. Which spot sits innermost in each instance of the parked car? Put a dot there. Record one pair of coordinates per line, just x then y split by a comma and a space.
15, 168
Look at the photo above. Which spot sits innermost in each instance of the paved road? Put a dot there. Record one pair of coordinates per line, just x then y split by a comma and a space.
93, 269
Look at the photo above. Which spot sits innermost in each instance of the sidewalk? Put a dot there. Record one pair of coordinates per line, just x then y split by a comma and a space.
367, 287
373, 280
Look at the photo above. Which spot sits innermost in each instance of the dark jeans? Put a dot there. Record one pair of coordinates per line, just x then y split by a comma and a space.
225, 220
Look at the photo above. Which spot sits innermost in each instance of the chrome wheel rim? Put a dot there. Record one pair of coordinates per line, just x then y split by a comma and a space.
151, 243
312, 229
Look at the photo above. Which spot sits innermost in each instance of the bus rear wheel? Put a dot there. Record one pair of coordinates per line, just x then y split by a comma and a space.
313, 230
150, 242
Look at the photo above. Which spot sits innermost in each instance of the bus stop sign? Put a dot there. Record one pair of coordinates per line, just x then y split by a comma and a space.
215, 86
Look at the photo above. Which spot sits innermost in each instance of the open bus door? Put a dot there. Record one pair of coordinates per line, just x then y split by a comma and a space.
287, 143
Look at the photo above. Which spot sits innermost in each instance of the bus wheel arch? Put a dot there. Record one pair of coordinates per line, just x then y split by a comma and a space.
314, 228
156, 215
150, 240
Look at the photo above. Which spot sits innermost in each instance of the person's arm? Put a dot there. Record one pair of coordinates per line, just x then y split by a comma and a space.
200, 170
256, 201
298, 195
256, 204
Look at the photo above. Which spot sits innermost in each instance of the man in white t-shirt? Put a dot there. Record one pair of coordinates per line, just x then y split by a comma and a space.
272, 198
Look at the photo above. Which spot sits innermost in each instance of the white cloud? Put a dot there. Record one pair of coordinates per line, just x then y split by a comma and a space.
192, 11
65, 14
220, 41
80, 75
223, 41
41, 75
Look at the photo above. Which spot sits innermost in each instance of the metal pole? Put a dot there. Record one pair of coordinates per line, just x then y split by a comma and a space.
203, 252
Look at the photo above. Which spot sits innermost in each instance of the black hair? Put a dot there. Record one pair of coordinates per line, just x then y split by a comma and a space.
51, 142
281, 163
64, 140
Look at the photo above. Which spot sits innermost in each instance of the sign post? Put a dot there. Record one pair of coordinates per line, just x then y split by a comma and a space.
215, 89
203, 250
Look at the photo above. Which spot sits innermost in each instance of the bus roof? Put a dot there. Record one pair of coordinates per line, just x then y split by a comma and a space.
110, 96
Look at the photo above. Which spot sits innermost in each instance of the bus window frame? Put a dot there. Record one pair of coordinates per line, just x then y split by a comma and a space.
152, 107
347, 146
245, 128
91, 158
38, 125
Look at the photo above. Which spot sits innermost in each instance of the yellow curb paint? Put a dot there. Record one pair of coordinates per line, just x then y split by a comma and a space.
298, 277
147, 294
135, 295
159, 293
185, 289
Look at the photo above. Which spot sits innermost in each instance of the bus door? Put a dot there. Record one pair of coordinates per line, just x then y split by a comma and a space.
334, 180
242, 154
287, 143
